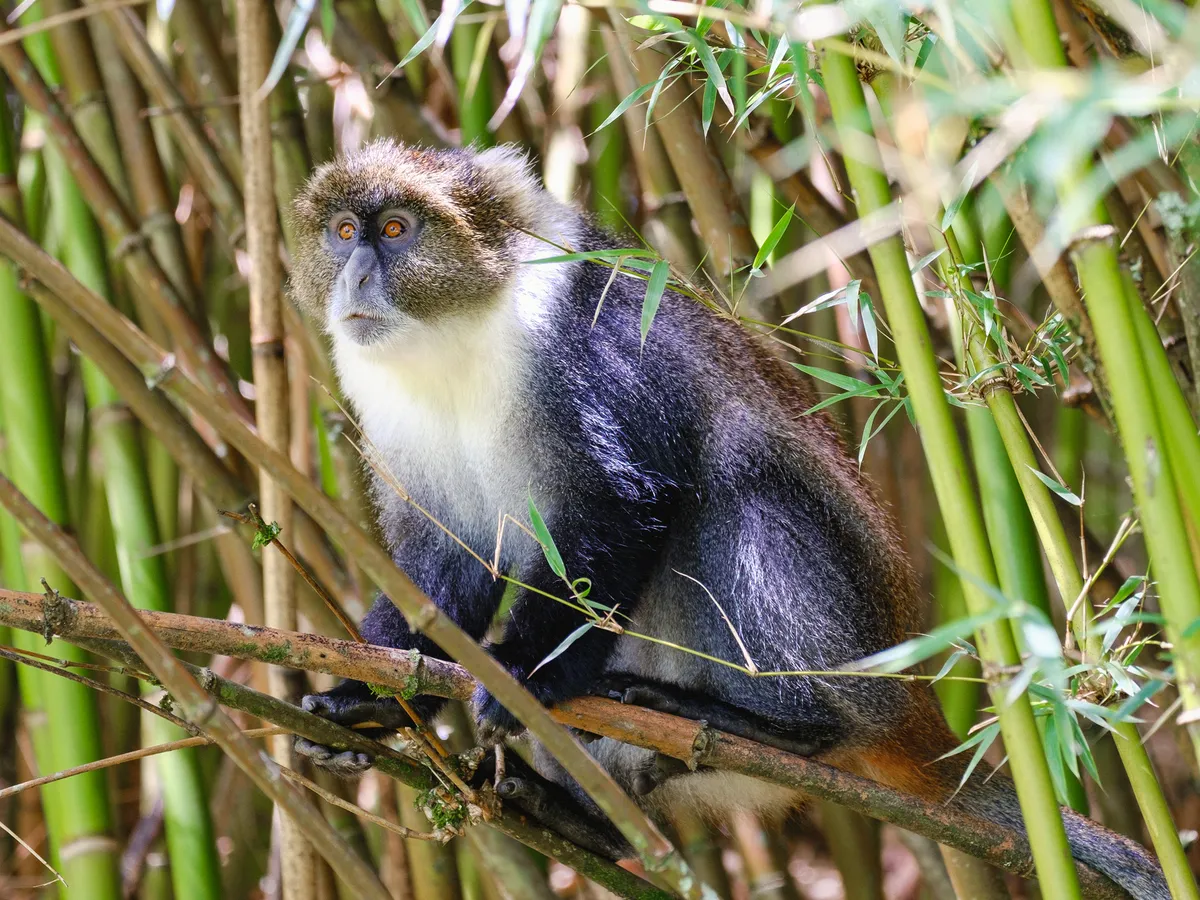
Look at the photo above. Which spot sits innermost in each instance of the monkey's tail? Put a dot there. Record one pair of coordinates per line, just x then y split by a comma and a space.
911, 763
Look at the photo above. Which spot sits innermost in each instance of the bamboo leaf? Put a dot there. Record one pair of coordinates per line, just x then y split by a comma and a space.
654, 291
870, 328
567, 642
292, 32
1060, 489
542, 533
952, 208
624, 105
709, 62
708, 105
774, 237
837, 379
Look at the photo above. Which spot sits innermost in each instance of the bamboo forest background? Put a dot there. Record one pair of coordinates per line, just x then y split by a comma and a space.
972, 225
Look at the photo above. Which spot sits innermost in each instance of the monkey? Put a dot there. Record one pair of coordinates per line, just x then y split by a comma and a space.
680, 475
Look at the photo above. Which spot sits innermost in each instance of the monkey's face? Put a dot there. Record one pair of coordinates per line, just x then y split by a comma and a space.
393, 239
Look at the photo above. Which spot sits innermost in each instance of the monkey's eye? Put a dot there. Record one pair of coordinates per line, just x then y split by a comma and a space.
346, 230
394, 228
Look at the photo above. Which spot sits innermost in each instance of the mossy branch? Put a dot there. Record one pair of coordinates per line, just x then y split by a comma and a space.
411, 673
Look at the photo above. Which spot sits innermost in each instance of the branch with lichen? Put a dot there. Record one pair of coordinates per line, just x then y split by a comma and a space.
411, 674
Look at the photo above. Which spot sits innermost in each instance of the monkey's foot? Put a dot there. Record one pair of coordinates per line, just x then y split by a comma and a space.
344, 764
554, 807
350, 703
659, 770
493, 723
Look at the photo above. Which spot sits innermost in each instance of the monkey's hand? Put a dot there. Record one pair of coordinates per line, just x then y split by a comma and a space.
494, 723
350, 703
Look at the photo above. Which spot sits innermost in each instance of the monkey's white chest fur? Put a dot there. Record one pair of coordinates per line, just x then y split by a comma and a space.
441, 405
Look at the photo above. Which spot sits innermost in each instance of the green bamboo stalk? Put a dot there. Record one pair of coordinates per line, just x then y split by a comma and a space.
77, 816
1179, 428
1010, 430
697, 841
606, 148
1133, 394
12, 571
947, 465
189, 834
474, 94
960, 699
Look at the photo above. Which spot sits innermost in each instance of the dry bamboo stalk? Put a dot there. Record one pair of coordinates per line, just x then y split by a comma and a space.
298, 860
202, 59
720, 222
561, 165
192, 701
668, 220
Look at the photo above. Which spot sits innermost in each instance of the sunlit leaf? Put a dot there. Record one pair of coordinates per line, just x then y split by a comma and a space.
837, 379
1061, 489
708, 105
925, 261
709, 62
621, 107
952, 208
918, 649
776, 235
870, 329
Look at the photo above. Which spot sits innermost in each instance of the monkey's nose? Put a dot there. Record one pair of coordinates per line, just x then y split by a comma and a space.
362, 281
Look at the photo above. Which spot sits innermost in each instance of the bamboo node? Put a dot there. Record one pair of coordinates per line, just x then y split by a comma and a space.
702, 745
165, 369
135, 240
58, 613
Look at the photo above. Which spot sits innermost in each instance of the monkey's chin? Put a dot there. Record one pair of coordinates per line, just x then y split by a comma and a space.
374, 334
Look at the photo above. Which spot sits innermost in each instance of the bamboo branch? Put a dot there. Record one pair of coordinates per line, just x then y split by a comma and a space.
195, 705
389, 762
410, 673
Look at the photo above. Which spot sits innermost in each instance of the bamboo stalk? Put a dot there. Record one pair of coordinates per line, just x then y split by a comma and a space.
193, 703
297, 857
560, 167
951, 484
1010, 430
210, 70
723, 231
203, 161
1154, 480
667, 218
145, 275
78, 820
